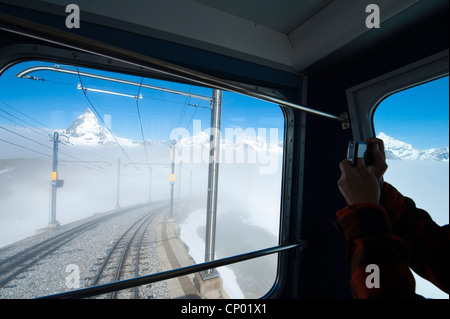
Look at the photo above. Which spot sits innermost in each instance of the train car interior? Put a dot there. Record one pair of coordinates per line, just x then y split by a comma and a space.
215, 128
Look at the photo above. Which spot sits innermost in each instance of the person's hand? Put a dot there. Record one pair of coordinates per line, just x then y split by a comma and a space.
379, 166
357, 184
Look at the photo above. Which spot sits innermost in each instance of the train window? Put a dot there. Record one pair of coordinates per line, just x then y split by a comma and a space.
105, 176
414, 126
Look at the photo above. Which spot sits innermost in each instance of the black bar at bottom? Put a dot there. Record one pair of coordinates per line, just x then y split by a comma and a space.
144, 280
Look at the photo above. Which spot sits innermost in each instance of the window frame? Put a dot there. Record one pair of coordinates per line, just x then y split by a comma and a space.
364, 98
18, 53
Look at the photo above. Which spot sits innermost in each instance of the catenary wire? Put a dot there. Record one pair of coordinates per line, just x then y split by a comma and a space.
140, 120
44, 133
25, 148
101, 119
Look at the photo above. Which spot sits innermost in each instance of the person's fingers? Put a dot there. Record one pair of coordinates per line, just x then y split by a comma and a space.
379, 143
377, 154
358, 184
346, 168
379, 166
362, 169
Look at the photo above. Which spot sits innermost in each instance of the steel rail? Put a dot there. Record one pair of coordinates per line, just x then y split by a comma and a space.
148, 279
21, 261
146, 221
14, 265
73, 41
110, 253
143, 219
138, 257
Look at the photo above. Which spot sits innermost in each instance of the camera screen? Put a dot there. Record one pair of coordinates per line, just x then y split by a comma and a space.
361, 149
356, 150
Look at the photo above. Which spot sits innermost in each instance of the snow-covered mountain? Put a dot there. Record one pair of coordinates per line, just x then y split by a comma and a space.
257, 143
242, 142
86, 130
399, 150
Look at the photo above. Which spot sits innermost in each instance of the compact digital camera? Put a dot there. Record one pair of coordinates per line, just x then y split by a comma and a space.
357, 149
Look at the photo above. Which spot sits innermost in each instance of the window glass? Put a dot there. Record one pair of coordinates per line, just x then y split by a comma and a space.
414, 125
93, 161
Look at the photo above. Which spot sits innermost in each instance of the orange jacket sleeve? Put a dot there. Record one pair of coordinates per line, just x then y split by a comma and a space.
394, 236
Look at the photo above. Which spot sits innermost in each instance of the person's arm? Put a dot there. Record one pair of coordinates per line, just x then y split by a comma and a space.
379, 218
378, 258
427, 243
366, 227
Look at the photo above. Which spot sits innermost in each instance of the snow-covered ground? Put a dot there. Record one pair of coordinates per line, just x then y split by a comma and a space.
248, 217
189, 234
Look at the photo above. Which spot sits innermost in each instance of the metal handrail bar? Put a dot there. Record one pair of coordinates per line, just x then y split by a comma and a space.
144, 280
69, 40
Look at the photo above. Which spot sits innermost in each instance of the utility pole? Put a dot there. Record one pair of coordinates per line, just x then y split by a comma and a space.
179, 181
149, 181
150, 185
172, 181
213, 174
118, 184
190, 184
55, 183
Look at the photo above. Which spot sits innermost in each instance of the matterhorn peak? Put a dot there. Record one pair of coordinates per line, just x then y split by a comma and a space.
85, 123
86, 130
88, 112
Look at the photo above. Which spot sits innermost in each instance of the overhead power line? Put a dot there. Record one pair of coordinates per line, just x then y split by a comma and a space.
140, 120
29, 149
17, 118
44, 131
101, 119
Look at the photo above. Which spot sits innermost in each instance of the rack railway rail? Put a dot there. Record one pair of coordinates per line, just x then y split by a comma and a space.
14, 264
123, 258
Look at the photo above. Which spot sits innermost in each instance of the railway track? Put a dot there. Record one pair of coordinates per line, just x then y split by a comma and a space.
18, 263
124, 257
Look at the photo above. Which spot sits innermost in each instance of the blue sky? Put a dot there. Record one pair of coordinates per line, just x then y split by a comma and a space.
418, 116
56, 103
